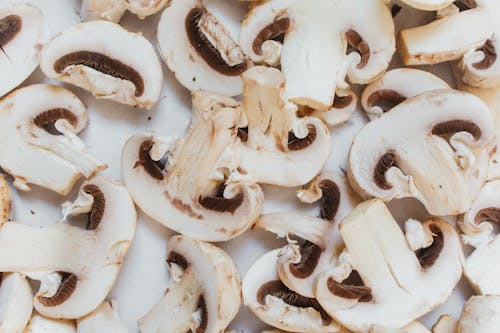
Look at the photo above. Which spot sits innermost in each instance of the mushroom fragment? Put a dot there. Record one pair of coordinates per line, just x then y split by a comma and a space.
481, 314
16, 303
110, 10
5, 201
391, 277
413, 327
431, 4
323, 42
194, 185
475, 46
199, 49
103, 319
278, 147
38, 138
205, 295
445, 324
445, 131
86, 262
143, 8
23, 31
93, 56
40, 324
344, 105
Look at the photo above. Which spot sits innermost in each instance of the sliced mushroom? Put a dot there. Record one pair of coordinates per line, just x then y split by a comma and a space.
38, 138
392, 278
40, 324
446, 324
413, 327
445, 131
95, 56
279, 148
23, 29
475, 44
143, 8
110, 10
323, 42
16, 303
194, 186
5, 201
199, 49
205, 295
103, 319
395, 86
87, 261
481, 314
430, 4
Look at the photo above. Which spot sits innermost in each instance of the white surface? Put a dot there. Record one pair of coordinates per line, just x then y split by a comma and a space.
144, 275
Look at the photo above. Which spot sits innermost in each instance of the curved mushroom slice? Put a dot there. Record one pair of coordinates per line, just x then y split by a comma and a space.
445, 131
143, 8
110, 10
413, 327
445, 324
40, 324
395, 86
23, 29
476, 45
93, 55
198, 191
278, 147
391, 277
344, 105
323, 41
208, 276
280, 307
5, 201
432, 4
481, 314
87, 262
38, 138
199, 49
16, 303
103, 319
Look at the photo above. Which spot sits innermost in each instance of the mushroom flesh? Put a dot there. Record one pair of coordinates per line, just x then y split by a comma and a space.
110, 10
103, 319
143, 8
16, 303
481, 314
40, 324
445, 324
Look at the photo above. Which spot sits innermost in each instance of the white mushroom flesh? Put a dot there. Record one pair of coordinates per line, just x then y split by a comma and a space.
103, 319
481, 314
143, 8
40, 324
16, 303
445, 324
110, 10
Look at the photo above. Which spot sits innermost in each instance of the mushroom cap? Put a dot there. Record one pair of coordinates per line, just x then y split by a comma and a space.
429, 4
394, 279
93, 56
144, 8
23, 31
480, 314
16, 303
40, 324
204, 272
206, 57
445, 131
103, 319
316, 38
110, 10
28, 149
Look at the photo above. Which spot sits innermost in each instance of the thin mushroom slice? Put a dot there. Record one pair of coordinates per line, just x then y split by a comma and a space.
194, 185
93, 56
103, 319
476, 45
110, 10
205, 295
85, 262
16, 303
278, 148
344, 105
144, 8
392, 277
199, 49
480, 314
38, 138
23, 30
396, 86
40, 324
445, 324
446, 131
324, 41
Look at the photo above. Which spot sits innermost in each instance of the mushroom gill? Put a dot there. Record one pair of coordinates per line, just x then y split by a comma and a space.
66, 289
448, 128
356, 44
47, 119
218, 203
385, 99
351, 288
178, 259
10, 26
273, 31
154, 168
465, 4
490, 55
97, 212
330, 199
490, 214
295, 143
428, 256
309, 257
387, 161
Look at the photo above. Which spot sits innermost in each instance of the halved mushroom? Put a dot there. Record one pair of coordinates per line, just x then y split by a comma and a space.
110, 10
446, 324
394, 87
476, 45
103, 319
23, 30
143, 8
38, 138
278, 147
445, 131
431, 4
95, 56
323, 42
194, 185
40, 324
199, 49
86, 262
280, 307
390, 277
205, 295
481, 314
16, 303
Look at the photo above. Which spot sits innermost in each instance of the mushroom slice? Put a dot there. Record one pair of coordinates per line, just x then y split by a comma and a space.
278, 147
476, 45
194, 186
199, 49
5, 201
16, 303
432, 4
87, 261
23, 29
445, 324
323, 42
392, 278
344, 105
205, 295
394, 87
110, 10
40, 324
481, 314
143, 8
445, 131
38, 138
93, 56
280, 307
413, 327
103, 319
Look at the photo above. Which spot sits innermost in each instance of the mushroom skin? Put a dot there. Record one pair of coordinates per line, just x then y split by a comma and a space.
103, 319
5, 201
110, 10
280, 148
475, 46
38, 138
402, 282
210, 279
23, 30
91, 56
317, 36
144, 8
39, 324
16, 303
480, 314
88, 261
446, 131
